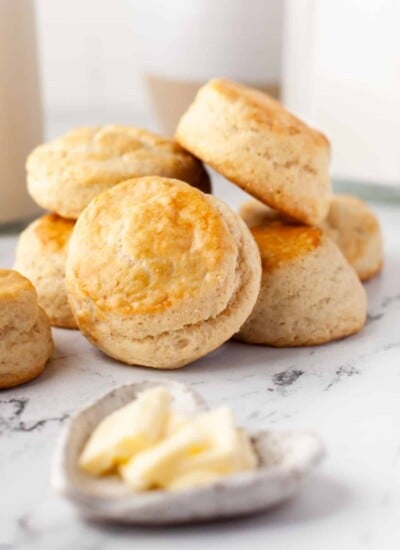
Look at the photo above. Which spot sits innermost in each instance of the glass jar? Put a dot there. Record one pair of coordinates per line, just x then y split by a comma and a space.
341, 72
20, 108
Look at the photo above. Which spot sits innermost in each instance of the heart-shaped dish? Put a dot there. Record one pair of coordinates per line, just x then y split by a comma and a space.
285, 460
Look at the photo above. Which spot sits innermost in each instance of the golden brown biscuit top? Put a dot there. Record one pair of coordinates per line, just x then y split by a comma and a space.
267, 111
113, 141
280, 243
148, 244
13, 284
53, 231
108, 154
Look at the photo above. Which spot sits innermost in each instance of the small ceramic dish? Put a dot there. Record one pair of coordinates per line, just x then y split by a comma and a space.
285, 460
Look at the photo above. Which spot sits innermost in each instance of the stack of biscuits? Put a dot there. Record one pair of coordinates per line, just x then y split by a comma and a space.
314, 247
65, 175
155, 271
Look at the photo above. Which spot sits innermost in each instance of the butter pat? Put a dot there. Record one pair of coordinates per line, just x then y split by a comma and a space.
227, 451
175, 422
157, 466
206, 448
126, 432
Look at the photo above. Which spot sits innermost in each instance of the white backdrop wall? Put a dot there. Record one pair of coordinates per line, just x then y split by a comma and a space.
88, 63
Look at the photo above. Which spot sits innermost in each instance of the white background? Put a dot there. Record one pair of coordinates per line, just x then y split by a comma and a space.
89, 65
92, 51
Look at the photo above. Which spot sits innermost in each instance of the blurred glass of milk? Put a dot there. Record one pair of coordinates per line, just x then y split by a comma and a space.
341, 71
183, 43
20, 107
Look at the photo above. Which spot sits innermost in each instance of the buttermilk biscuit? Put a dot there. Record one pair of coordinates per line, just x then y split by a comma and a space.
25, 336
159, 274
41, 256
353, 226
350, 224
309, 293
253, 141
64, 175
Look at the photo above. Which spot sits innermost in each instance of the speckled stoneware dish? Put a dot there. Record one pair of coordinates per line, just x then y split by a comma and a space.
285, 460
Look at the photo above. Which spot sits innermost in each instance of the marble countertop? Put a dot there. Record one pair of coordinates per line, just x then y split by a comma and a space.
347, 391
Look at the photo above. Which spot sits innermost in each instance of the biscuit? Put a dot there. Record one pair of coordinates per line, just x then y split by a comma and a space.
350, 223
253, 141
41, 256
64, 175
355, 229
256, 213
159, 274
309, 293
25, 336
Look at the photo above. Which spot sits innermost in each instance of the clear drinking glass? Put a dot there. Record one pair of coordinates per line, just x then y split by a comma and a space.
183, 43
